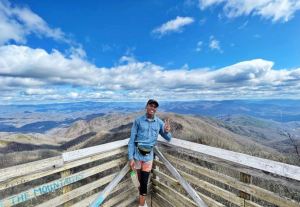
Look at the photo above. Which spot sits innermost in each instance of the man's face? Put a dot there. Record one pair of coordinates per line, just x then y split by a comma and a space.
151, 109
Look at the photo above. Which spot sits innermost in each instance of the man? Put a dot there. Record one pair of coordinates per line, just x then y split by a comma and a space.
144, 133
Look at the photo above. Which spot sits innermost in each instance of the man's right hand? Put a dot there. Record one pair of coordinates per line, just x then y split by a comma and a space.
132, 164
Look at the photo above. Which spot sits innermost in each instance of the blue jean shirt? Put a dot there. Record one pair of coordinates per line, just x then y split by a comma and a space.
145, 132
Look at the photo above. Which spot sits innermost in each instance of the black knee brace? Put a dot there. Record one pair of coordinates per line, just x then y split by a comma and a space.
144, 182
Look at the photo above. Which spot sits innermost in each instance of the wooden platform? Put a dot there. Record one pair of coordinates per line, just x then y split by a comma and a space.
220, 177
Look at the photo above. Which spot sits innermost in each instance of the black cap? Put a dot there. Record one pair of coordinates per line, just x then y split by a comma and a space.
152, 101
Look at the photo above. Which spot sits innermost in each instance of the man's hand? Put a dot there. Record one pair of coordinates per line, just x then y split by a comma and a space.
132, 164
167, 126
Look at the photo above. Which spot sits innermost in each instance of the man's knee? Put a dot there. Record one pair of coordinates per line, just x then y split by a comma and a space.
144, 182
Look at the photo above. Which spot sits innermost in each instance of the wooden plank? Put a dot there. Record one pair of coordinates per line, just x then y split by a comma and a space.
250, 189
214, 189
29, 168
128, 202
251, 204
107, 190
36, 175
121, 197
168, 198
160, 201
171, 181
241, 168
172, 195
184, 184
278, 168
174, 184
57, 184
86, 152
77, 192
87, 201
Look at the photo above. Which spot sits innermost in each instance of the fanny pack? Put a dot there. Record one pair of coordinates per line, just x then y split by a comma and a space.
144, 150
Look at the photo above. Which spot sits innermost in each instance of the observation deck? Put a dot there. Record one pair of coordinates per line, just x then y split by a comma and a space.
206, 176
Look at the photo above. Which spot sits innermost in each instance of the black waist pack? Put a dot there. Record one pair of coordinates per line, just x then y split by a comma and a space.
143, 150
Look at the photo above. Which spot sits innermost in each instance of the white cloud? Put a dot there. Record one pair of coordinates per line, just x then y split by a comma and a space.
54, 67
275, 10
127, 59
199, 46
38, 75
175, 25
9, 83
39, 91
214, 44
206, 3
17, 22
73, 95
247, 72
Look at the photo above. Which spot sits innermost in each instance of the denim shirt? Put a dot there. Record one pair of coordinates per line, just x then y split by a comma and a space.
145, 132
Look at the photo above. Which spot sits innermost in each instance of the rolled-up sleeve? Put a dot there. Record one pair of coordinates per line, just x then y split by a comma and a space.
132, 139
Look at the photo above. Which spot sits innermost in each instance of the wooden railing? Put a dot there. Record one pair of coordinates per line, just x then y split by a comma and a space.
223, 178
220, 177
73, 179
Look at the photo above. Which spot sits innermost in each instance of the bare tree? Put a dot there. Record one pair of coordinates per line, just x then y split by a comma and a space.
293, 143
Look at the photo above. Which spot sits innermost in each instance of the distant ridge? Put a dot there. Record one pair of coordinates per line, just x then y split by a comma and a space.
225, 134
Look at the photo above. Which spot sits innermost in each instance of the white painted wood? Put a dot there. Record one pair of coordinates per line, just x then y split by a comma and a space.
79, 154
46, 171
58, 184
77, 192
28, 168
181, 180
278, 168
256, 191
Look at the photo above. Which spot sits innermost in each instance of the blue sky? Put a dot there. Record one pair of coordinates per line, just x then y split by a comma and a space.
135, 50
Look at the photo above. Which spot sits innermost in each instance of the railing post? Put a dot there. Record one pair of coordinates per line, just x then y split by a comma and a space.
107, 190
187, 187
67, 188
245, 178
156, 168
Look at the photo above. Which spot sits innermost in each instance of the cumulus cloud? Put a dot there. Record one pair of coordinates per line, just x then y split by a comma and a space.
22, 61
35, 73
17, 22
9, 83
214, 44
275, 10
175, 25
246, 72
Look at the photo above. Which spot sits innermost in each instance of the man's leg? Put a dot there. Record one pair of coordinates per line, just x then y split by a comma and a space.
145, 172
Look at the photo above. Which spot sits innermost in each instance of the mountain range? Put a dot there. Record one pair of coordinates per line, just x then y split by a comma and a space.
237, 133
44, 117
268, 129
